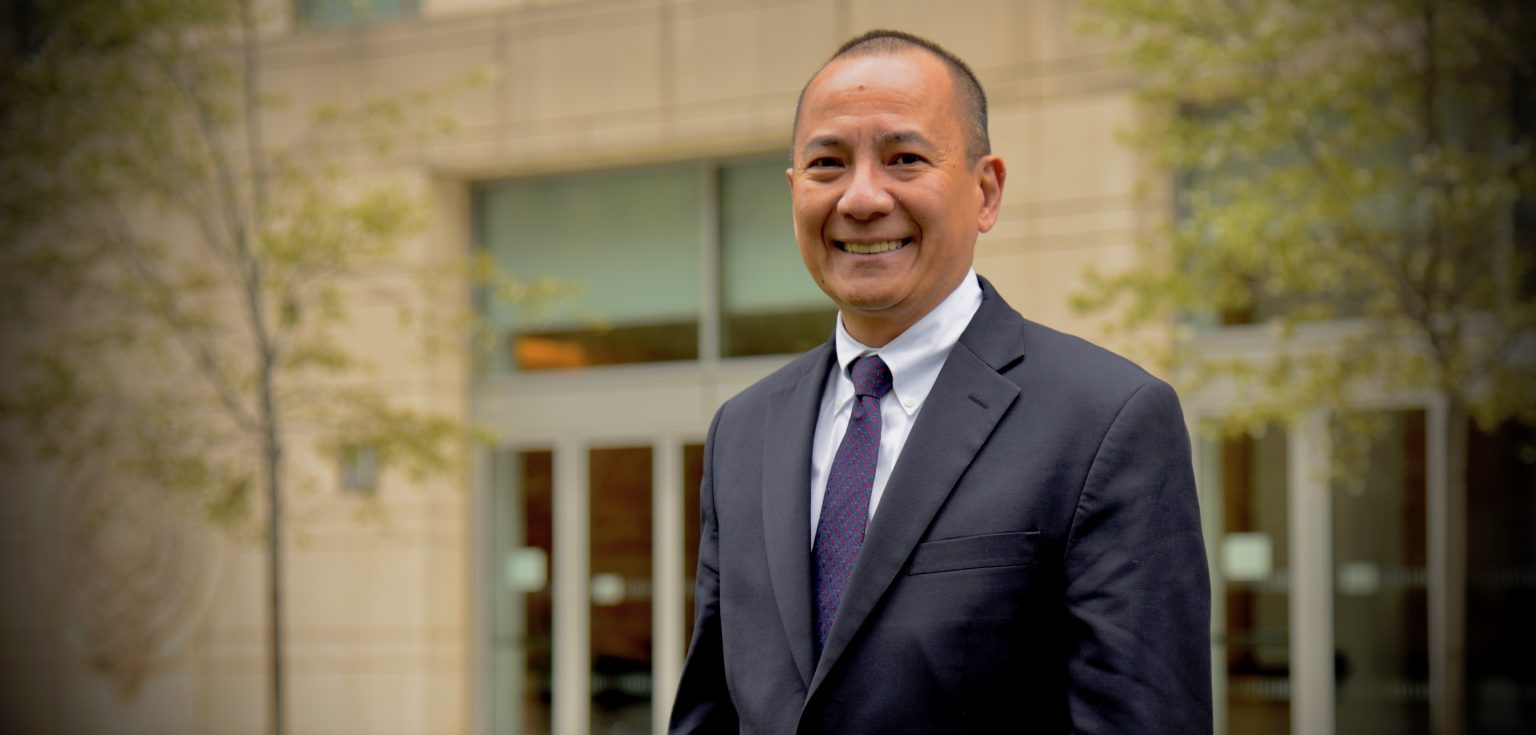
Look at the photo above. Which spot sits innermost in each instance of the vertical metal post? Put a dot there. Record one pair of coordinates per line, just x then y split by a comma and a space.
1446, 536
482, 544
667, 574
1311, 577
1207, 458
572, 676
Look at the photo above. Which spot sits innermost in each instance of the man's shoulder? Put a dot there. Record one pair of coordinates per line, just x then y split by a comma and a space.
810, 365
1039, 357
1079, 368
1062, 350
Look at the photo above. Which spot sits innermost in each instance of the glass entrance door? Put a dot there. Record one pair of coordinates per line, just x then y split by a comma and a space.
620, 587
1245, 493
519, 587
1320, 556
589, 585
1380, 580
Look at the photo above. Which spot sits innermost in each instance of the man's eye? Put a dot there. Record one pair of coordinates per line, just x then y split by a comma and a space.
824, 162
906, 159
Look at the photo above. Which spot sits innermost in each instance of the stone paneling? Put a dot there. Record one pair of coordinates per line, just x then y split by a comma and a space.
379, 613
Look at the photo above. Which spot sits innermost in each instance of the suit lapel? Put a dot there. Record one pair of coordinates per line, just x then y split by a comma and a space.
966, 402
791, 418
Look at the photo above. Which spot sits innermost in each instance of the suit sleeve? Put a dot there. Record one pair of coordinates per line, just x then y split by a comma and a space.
1136, 582
703, 702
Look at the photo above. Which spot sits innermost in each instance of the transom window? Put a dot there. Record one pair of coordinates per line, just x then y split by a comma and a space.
666, 263
339, 13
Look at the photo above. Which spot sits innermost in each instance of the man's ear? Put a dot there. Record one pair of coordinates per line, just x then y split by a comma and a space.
990, 175
789, 175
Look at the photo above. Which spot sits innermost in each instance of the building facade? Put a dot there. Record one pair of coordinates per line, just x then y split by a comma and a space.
630, 153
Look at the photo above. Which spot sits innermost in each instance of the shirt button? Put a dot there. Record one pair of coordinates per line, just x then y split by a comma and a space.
907, 403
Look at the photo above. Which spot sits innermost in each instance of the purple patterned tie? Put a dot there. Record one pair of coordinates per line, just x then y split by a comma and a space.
845, 507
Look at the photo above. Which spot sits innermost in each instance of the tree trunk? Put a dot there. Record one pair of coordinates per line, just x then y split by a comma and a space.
266, 355
272, 471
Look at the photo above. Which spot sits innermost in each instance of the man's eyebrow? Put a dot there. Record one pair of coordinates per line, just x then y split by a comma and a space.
889, 138
822, 142
905, 137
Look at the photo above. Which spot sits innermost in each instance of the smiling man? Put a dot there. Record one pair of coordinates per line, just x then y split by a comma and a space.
947, 518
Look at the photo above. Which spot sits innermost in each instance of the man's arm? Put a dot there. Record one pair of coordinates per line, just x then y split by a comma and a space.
703, 703
1137, 585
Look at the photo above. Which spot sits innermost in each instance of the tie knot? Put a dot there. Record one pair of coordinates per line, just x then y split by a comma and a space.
870, 376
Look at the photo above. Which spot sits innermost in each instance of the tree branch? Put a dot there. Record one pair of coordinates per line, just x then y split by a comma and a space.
166, 306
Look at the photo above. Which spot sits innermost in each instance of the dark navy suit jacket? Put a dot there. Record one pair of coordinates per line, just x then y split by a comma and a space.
1035, 566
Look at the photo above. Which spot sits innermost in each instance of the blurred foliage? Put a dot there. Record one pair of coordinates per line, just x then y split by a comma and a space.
1368, 164
176, 287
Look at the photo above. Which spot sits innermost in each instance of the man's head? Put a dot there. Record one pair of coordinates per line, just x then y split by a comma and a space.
972, 100
889, 183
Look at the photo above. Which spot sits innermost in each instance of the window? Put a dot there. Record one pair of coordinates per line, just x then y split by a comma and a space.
1255, 218
631, 260
620, 594
623, 247
359, 470
337, 13
1381, 600
520, 590
1252, 580
771, 306
1501, 579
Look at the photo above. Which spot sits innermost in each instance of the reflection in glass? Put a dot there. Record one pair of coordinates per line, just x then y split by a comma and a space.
521, 598
1256, 291
332, 13
1252, 568
620, 589
1380, 608
624, 243
771, 307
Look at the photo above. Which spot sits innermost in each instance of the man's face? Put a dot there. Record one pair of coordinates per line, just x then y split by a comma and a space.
887, 203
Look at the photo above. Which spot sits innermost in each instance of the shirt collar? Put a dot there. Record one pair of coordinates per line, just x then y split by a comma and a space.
916, 355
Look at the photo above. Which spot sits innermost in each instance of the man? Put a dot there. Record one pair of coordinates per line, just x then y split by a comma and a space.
949, 519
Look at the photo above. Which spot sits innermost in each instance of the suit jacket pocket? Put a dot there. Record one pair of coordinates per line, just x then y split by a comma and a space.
1011, 549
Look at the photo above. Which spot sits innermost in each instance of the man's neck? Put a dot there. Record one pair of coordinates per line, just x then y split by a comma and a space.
877, 330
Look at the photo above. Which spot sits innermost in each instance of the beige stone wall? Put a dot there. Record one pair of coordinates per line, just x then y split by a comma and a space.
381, 612
582, 85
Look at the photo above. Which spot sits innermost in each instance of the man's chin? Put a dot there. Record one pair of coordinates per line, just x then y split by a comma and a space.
870, 304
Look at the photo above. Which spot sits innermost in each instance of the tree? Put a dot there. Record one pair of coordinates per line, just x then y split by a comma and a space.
1370, 164
176, 283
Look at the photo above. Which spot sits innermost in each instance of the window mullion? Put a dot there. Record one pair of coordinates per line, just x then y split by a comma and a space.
709, 264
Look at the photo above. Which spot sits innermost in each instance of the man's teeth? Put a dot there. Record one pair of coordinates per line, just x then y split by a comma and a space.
870, 248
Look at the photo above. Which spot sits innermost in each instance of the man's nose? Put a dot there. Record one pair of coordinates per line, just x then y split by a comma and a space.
867, 196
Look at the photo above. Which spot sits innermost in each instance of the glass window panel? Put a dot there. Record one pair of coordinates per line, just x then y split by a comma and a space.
621, 589
621, 246
771, 306
1249, 174
320, 13
1501, 581
1252, 555
1380, 616
1523, 124
522, 605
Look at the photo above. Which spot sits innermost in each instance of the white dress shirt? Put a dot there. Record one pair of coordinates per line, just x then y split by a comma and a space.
914, 358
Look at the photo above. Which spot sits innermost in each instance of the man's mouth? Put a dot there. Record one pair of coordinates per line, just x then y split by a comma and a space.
872, 248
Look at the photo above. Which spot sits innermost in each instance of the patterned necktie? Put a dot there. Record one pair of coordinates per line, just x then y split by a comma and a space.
845, 506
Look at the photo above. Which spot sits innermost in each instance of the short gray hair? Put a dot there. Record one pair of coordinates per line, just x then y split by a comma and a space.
968, 92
